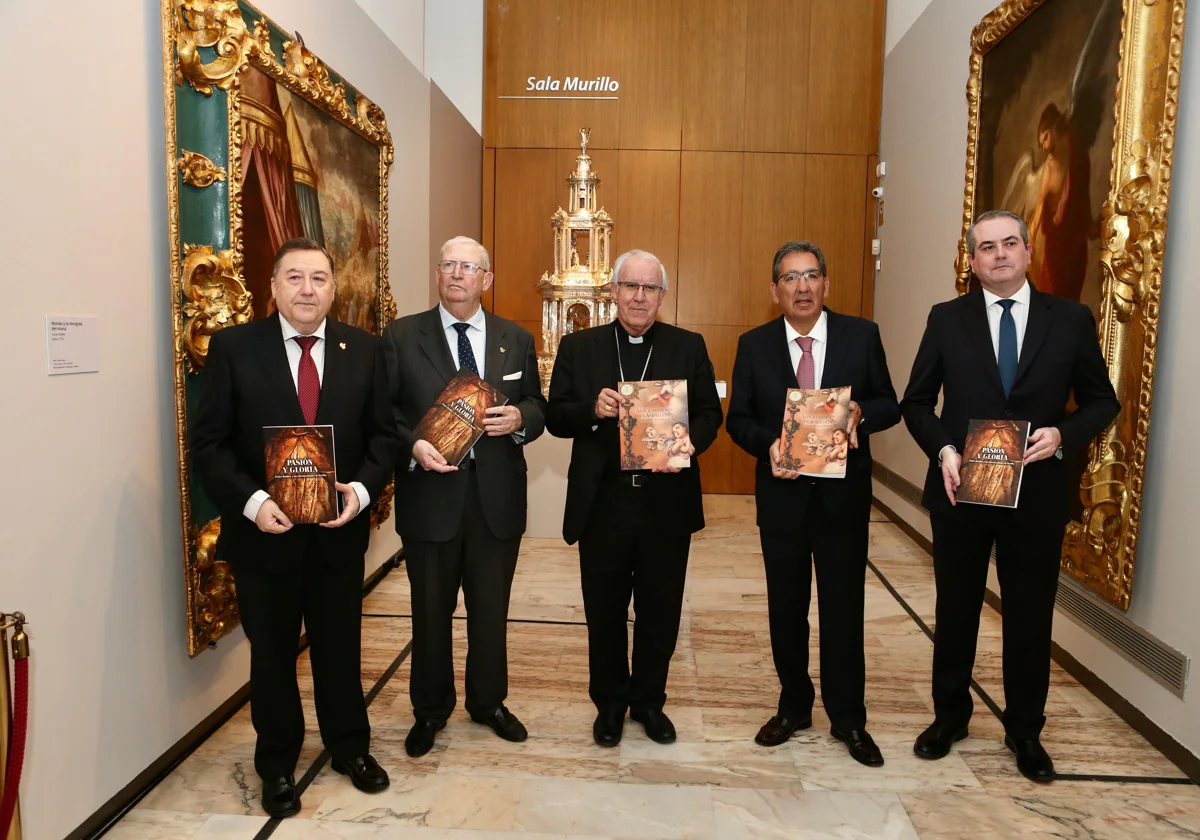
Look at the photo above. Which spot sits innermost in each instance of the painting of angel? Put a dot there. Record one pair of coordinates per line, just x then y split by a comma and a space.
1046, 137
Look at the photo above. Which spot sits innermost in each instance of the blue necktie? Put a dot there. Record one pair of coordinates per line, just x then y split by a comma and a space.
466, 356
1006, 358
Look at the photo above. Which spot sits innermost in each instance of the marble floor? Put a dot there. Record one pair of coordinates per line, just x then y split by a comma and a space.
714, 782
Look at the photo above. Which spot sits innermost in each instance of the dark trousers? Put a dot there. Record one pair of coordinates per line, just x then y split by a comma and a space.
624, 552
483, 566
326, 594
837, 545
1027, 565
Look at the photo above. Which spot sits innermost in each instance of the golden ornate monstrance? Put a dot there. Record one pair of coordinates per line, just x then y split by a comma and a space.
577, 295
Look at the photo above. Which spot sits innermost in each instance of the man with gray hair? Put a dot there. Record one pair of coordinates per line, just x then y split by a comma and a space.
634, 527
1003, 352
462, 524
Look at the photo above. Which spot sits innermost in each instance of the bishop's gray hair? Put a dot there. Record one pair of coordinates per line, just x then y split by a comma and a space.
636, 254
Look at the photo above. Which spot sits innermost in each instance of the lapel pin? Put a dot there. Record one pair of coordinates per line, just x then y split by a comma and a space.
501, 349
342, 345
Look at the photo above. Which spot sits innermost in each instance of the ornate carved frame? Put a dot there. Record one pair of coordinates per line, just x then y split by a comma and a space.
1100, 550
207, 45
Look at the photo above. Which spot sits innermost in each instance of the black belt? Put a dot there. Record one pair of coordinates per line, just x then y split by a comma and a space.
629, 479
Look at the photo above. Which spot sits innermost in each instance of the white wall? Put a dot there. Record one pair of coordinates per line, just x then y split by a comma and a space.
89, 525
924, 144
403, 21
454, 54
901, 14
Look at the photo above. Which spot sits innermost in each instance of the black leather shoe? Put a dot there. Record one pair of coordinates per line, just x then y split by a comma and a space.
862, 747
365, 773
420, 737
658, 726
279, 796
608, 727
1032, 759
778, 729
505, 724
934, 742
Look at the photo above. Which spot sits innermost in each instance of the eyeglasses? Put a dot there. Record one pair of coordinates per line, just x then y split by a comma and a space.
631, 288
811, 276
468, 269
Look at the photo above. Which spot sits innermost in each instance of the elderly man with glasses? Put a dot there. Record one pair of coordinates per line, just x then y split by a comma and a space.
634, 527
462, 524
806, 520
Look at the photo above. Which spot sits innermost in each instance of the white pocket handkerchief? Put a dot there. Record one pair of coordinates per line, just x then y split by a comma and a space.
511, 376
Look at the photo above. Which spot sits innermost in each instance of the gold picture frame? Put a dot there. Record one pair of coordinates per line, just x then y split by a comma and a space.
212, 50
1100, 547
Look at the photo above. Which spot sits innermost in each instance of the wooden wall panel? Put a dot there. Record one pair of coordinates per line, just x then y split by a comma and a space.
841, 37
526, 197
489, 220
718, 460
775, 110
586, 38
651, 74
834, 186
522, 40
870, 213
773, 212
714, 86
648, 197
710, 227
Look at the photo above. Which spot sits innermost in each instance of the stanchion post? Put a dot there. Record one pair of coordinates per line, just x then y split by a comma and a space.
14, 830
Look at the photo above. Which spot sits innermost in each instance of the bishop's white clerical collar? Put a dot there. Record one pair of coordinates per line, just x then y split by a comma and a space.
634, 339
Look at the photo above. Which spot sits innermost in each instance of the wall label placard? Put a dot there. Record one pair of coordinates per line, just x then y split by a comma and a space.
72, 344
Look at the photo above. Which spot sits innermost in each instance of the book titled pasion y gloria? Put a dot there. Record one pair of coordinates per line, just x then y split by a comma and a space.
992, 462
454, 423
301, 472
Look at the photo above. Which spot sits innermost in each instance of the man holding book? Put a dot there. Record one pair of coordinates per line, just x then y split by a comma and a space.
633, 511
461, 522
819, 515
314, 376
1003, 352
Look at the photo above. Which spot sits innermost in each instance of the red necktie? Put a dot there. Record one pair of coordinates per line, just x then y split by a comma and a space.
806, 372
308, 383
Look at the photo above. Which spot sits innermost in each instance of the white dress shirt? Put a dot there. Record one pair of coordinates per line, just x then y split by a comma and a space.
477, 335
294, 353
818, 334
1020, 313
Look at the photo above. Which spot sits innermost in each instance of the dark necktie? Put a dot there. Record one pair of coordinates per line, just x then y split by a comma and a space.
806, 370
1006, 357
308, 383
466, 356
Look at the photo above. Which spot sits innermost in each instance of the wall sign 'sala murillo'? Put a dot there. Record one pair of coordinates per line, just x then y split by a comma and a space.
568, 87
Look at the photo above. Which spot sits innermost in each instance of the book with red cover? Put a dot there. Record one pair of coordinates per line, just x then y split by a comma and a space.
455, 421
814, 441
301, 472
992, 462
653, 420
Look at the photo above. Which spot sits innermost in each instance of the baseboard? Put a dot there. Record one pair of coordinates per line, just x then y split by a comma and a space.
111, 812
1177, 753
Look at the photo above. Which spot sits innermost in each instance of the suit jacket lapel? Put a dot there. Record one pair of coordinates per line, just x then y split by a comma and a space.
433, 344
1036, 330
335, 374
273, 357
781, 356
496, 349
979, 333
835, 350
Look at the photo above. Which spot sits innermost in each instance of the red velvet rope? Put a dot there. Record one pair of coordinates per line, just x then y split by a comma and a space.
16, 753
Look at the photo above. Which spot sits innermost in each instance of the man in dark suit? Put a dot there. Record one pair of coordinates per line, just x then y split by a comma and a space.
804, 520
1003, 352
462, 525
634, 528
298, 367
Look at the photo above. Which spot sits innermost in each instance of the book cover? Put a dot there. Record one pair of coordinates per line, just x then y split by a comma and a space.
653, 419
814, 441
454, 422
992, 461
301, 472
